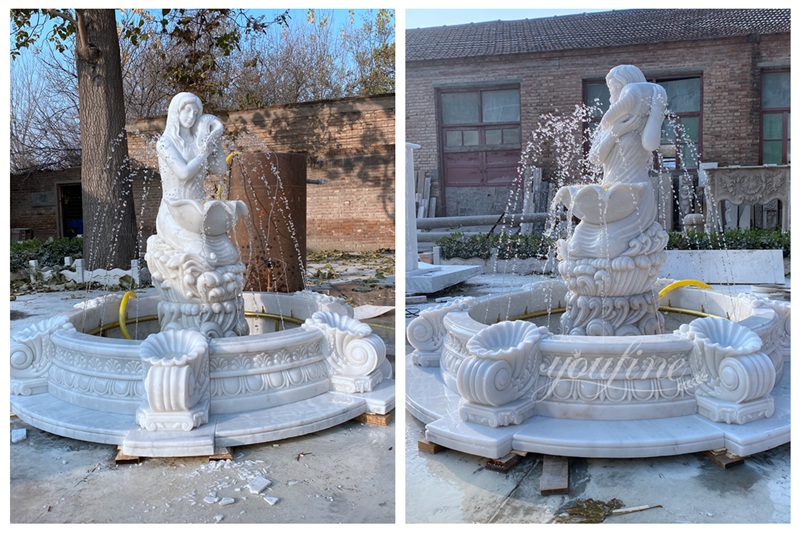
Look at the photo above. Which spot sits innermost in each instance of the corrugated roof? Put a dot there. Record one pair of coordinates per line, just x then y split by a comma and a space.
590, 30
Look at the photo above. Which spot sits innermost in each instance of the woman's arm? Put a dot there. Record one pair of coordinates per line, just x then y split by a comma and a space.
608, 137
651, 134
212, 147
183, 170
601, 147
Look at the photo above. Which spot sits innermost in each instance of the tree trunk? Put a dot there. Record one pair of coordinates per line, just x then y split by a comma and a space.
108, 212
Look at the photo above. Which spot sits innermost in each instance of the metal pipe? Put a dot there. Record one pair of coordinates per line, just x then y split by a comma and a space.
479, 220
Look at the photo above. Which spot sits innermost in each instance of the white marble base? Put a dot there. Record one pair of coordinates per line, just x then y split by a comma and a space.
725, 266
422, 358
735, 413
505, 415
427, 279
173, 420
356, 383
232, 429
428, 400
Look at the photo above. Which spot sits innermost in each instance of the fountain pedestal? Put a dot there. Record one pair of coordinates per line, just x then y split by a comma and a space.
611, 261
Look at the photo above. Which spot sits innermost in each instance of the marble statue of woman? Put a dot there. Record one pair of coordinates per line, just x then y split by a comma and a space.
629, 132
631, 128
194, 264
611, 259
188, 151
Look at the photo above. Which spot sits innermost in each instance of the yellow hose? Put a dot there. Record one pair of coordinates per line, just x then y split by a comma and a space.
230, 157
682, 283
123, 305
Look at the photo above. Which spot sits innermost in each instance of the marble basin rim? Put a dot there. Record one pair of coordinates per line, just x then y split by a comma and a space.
561, 423
533, 302
270, 385
590, 376
261, 370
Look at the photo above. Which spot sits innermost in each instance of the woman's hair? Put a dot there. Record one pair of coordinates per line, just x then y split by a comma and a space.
626, 74
172, 130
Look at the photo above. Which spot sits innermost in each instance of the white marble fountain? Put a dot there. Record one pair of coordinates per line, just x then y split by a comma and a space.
610, 361
203, 365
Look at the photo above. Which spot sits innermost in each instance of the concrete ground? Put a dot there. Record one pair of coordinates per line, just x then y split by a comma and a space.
345, 474
454, 487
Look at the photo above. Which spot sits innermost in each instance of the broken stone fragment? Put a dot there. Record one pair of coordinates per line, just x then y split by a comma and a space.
258, 484
272, 500
18, 435
227, 501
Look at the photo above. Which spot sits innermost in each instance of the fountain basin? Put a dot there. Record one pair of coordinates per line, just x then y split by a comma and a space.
601, 397
600, 204
270, 385
212, 218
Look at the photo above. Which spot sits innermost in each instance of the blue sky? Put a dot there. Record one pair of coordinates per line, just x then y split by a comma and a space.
424, 18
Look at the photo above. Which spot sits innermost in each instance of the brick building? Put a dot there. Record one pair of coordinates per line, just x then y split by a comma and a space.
475, 91
349, 144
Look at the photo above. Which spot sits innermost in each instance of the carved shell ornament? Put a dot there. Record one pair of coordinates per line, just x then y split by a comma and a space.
504, 363
505, 340
426, 332
173, 348
730, 354
355, 350
31, 348
718, 339
599, 204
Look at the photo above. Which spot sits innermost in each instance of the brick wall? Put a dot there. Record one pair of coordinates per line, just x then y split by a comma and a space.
349, 144
553, 83
34, 201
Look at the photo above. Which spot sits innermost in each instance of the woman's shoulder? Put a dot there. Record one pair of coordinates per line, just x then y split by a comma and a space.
164, 143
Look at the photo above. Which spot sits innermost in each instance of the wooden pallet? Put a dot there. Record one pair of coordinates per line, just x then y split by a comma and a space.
555, 475
724, 458
122, 459
376, 419
503, 464
428, 446
221, 454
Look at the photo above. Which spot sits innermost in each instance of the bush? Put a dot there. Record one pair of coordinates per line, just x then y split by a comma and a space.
522, 246
49, 253
507, 246
465, 246
527, 246
733, 239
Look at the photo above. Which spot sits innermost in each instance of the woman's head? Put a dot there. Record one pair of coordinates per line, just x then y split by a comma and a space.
620, 76
184, 109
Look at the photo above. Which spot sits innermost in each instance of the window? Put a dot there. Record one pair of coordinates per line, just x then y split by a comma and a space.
683, 126
775, 115
480, 135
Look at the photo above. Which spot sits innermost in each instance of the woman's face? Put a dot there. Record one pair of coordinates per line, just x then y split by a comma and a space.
188, 115
614, 88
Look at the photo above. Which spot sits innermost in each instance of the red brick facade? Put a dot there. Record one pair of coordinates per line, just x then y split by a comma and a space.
351, 167
34, 199
552, 82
